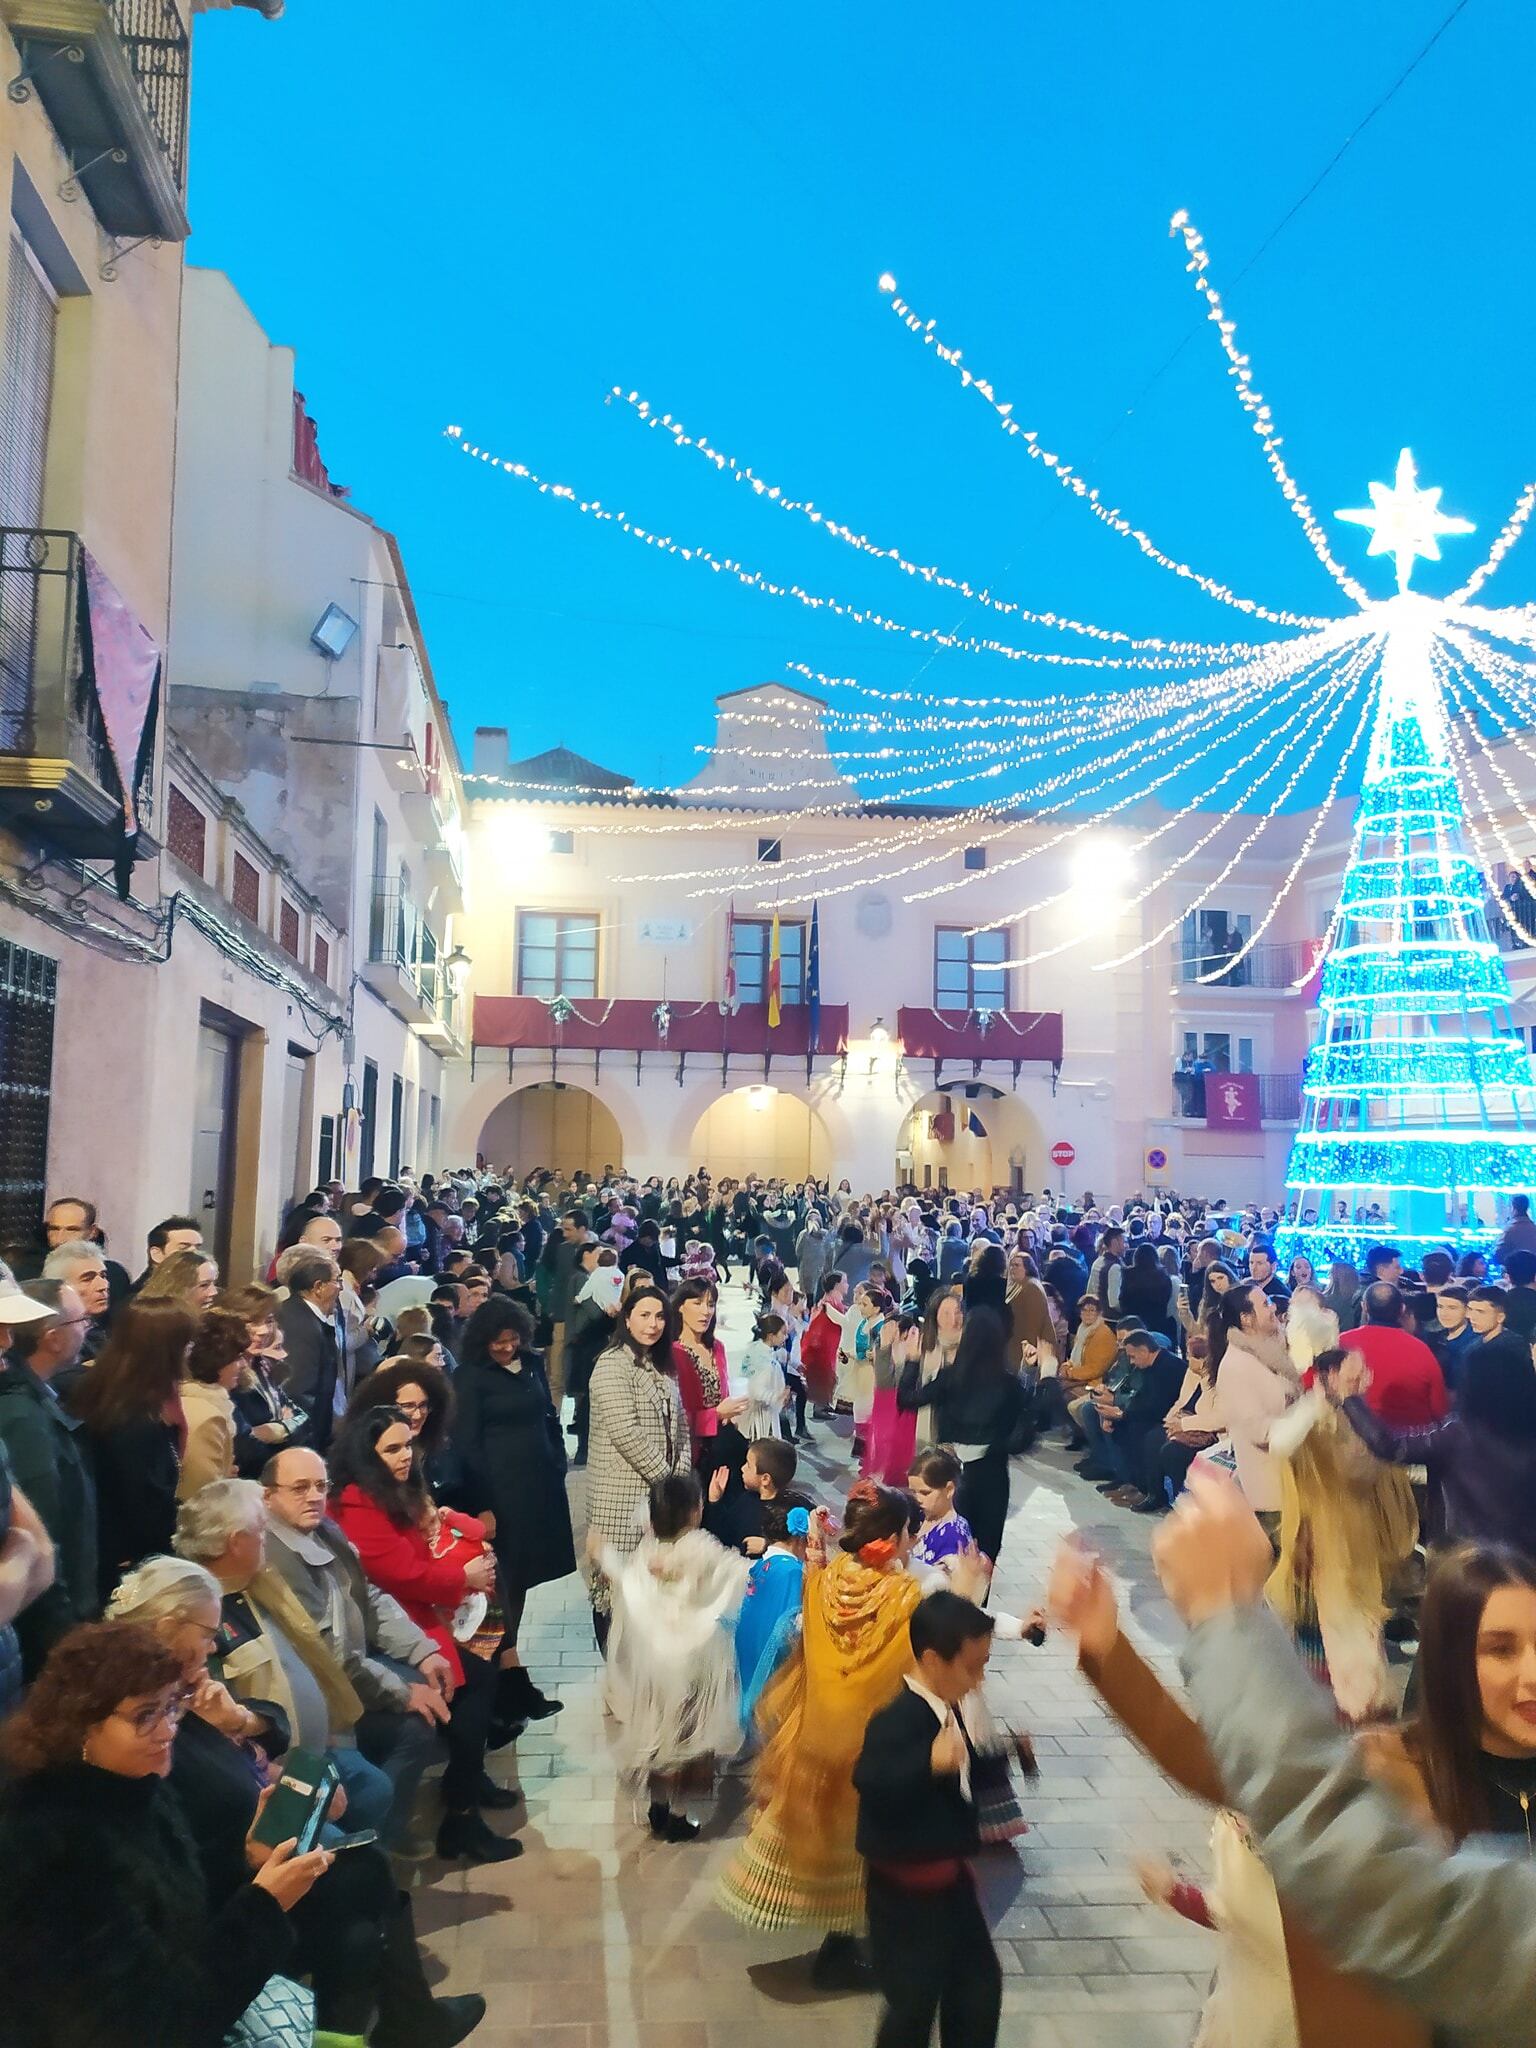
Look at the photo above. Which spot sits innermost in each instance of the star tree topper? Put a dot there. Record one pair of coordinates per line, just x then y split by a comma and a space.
1405, 522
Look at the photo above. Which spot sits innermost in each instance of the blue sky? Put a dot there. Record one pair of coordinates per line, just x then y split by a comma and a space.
491, 217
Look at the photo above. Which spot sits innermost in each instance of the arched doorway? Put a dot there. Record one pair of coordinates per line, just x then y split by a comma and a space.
763, 1131
968, 1136
551, 1124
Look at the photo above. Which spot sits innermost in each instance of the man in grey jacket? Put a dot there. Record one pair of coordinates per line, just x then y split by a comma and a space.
1451, 1933
397, 1671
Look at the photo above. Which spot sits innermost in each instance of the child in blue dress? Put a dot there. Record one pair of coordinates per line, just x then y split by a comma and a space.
945, 1538
769, 1620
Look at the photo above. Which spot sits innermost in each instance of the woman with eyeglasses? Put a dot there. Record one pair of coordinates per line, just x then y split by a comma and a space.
112, 1936
433, 1561
355, 1936
267, 1418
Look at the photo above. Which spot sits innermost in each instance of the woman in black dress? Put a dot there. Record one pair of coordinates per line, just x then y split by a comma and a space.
511, 1459
977, 1403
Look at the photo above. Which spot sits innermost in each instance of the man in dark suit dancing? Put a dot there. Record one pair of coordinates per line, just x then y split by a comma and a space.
929, 1943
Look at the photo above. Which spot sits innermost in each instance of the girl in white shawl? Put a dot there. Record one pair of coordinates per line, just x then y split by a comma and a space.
670, 1679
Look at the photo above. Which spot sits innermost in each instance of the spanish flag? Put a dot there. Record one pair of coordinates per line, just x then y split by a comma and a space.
775, 974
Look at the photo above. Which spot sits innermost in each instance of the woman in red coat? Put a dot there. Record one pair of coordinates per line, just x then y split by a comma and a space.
430, 1560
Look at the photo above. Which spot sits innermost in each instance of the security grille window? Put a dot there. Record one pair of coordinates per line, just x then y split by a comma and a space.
31, 320
556, 954
751, 941
288, 930
28, 991
245, 889
186, 831
968, 973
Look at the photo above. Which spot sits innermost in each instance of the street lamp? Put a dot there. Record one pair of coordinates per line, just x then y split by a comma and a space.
456, 966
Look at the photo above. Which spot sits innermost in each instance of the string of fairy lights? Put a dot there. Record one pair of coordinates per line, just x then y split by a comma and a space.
1224, 736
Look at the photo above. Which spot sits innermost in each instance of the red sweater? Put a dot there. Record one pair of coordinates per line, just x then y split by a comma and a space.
1407, 1386
399, 1561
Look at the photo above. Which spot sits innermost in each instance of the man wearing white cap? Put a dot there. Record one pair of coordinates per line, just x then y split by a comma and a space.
46, 1447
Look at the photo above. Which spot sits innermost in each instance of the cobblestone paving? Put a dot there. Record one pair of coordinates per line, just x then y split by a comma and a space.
598, 1937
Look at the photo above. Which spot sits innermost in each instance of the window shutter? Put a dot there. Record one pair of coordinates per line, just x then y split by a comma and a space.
26, 396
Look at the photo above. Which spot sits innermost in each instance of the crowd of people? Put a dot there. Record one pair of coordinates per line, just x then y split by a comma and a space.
258, 1530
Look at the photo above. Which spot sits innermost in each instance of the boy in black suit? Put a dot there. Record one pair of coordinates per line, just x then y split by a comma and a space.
930, 1946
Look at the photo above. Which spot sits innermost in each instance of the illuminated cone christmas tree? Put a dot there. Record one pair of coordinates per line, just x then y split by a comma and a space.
1417, 1099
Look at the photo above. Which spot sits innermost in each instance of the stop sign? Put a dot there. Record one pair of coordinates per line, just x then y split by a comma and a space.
1063, 1154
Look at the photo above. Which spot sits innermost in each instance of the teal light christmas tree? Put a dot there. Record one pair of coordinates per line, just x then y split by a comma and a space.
1417, 1118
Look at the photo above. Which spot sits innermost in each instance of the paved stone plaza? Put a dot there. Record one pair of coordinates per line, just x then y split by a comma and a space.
598, 1937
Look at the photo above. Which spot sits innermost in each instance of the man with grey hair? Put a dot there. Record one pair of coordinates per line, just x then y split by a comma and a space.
403, 1680
269, 1650
83, 1266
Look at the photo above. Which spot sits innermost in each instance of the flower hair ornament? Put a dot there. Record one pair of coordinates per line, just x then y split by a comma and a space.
798, 1522
880, 1551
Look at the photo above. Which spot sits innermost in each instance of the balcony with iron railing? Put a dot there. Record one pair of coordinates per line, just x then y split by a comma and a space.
59, 777
112, 77
1269, 966
406, 966
1279, 1096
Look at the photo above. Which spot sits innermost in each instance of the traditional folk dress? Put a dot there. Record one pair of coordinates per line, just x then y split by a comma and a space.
798, 1862
670, 1678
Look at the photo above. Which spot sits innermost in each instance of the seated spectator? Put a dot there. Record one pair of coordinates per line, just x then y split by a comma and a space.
268, 1649
1117, 1435
430, 1560
50, 1462
402, 1678
130, 1403
214, 1365
1407, 1385
353, 1932
111, 1934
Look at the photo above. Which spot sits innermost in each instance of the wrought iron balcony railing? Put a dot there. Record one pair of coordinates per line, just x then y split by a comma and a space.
58, 773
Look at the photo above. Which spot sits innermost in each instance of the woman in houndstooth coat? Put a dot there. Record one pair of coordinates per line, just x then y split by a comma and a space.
639, 1434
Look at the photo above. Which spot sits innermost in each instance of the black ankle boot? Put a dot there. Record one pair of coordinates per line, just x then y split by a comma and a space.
519, 1699
466, 1835
658, 1815
489, 1796
409, 2016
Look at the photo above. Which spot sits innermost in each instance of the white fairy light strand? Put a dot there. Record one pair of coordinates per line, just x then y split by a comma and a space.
1248, 841
1068, 478
1309, 840
1256, 406
926, 572
1508, 534
1023, 912
1136, 794
1301, 678
1310, 710
1463, 761
755, 579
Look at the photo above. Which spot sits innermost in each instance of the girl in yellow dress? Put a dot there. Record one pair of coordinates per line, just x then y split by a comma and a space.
798, 1863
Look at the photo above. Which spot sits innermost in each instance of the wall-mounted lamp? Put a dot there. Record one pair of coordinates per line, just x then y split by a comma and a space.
334, 631
456, 966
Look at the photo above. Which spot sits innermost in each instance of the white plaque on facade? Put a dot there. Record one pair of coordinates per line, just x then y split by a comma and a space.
665, 931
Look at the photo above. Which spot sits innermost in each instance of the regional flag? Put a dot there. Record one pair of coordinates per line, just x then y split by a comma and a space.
813, 983
775, 974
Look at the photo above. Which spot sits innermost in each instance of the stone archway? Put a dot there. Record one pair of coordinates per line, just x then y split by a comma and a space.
969, 1135
761, 1130
557, 1124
